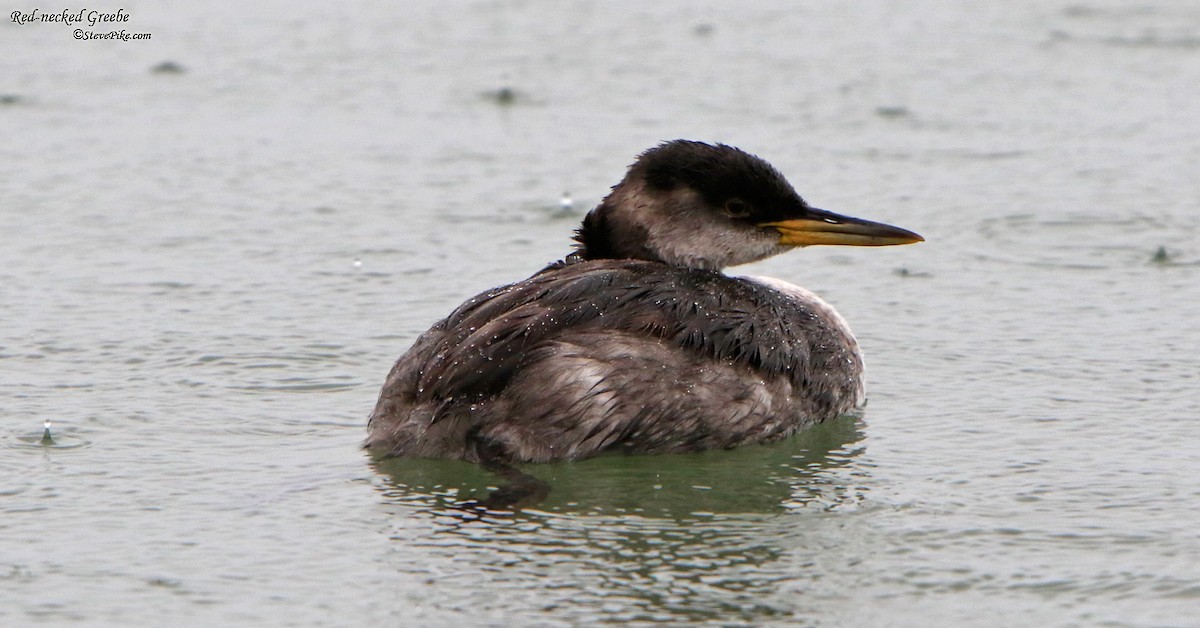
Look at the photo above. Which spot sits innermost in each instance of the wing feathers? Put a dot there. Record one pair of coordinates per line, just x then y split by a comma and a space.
707, 312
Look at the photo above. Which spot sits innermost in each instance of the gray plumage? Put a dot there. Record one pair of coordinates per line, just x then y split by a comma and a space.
637, 342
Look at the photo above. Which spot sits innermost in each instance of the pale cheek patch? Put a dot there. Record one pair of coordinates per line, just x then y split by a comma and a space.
690, 236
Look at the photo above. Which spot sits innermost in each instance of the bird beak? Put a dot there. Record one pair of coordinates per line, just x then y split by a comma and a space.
825, 227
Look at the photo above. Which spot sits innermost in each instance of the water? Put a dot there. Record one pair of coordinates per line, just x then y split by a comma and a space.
206, 274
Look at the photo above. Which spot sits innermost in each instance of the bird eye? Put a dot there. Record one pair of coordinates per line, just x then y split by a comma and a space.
737, 208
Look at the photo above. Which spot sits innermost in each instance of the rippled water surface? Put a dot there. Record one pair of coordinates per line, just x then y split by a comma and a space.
205, 275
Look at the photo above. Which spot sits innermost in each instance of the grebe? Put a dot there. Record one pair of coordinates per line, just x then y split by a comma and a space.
636, 341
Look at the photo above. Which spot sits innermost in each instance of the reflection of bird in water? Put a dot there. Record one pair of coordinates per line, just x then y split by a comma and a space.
818, 469
637, 341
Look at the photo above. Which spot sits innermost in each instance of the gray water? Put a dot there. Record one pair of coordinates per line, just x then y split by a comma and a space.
205, 276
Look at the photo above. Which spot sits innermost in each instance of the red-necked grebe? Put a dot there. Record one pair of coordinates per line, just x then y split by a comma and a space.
637, 341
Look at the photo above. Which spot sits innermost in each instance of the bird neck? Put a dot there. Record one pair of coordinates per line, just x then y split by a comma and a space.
612, 230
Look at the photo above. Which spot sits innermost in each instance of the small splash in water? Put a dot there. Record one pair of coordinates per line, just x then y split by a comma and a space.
565, 207
50, 439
